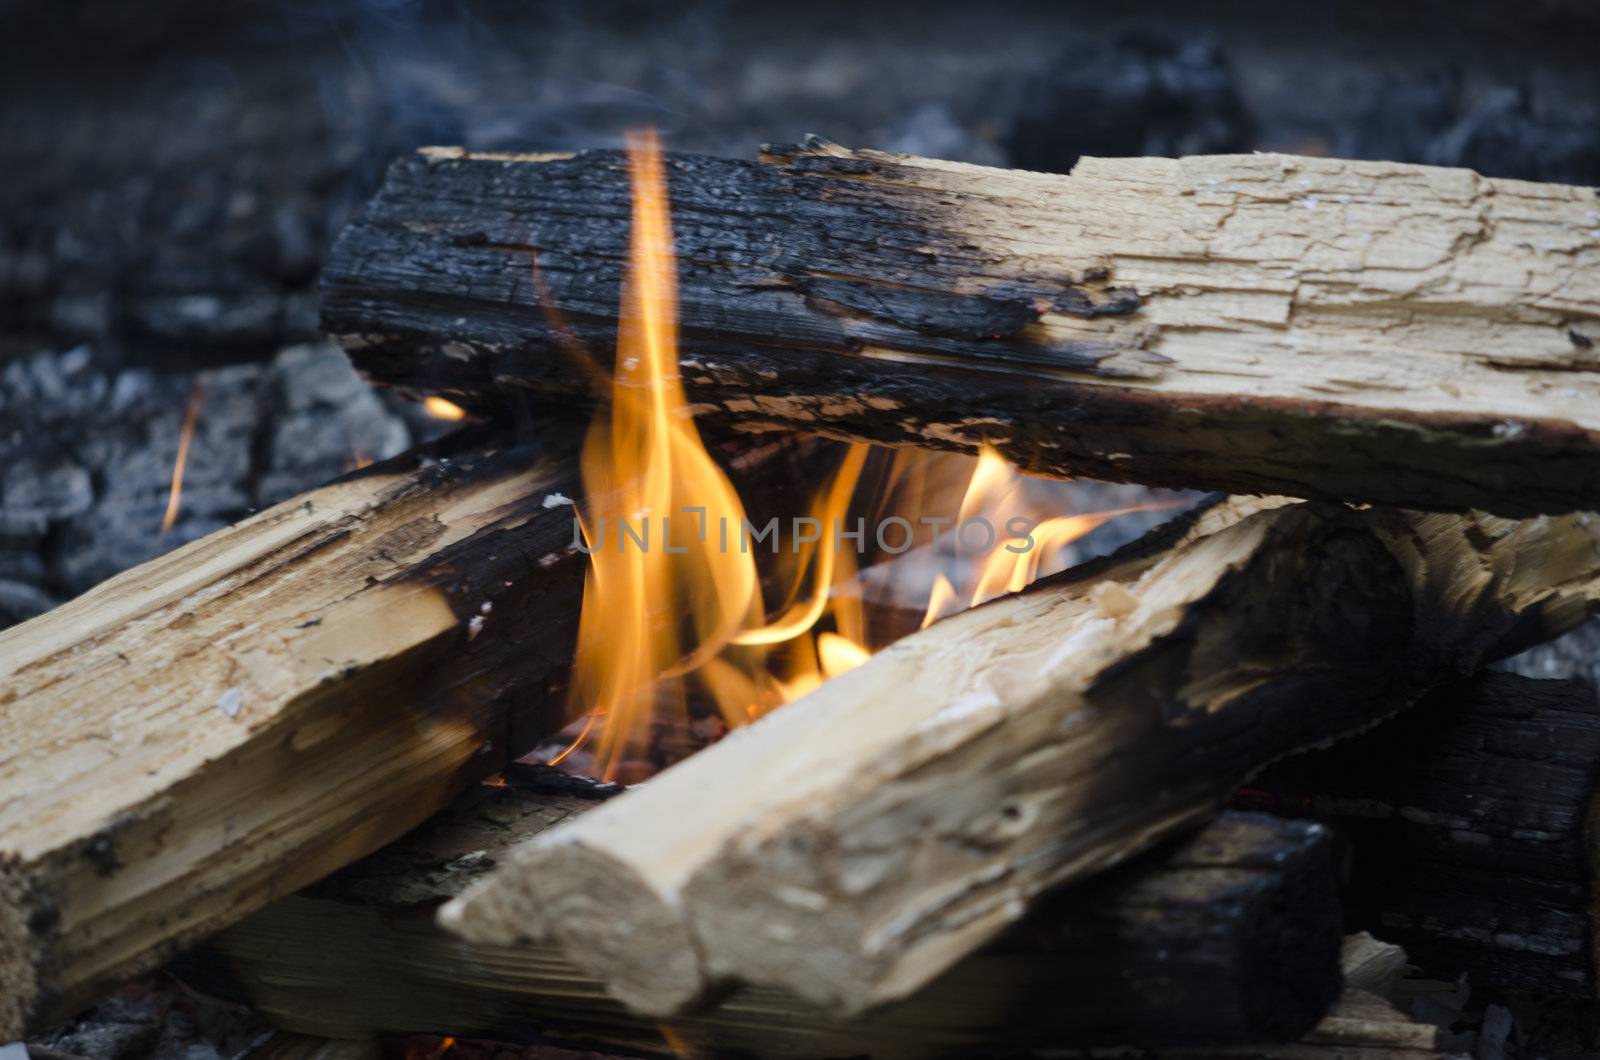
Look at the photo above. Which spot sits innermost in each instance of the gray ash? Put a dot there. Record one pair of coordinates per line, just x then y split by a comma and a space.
86, 457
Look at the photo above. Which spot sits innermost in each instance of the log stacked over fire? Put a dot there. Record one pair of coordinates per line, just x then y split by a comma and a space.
879, 864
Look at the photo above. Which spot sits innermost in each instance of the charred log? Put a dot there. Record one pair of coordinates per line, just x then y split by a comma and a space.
1314, 327
1472, 820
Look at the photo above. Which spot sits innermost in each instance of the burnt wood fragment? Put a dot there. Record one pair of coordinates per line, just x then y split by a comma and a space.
1472, 820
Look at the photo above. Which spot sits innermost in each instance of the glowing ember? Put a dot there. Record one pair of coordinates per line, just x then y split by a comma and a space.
421, 1049
674, 610
191, 417
440, 409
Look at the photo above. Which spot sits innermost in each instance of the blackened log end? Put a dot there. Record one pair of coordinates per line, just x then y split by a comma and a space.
1239, 934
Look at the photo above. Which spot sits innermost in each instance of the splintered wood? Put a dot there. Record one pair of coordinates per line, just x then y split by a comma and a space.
855, 843
1367, 331
236, 719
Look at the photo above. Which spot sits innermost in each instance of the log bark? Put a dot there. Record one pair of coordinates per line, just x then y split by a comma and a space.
231, 721
1472, 820
855, 843
1367, 331
1232, 936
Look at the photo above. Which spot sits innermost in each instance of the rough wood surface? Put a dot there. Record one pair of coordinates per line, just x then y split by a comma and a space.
1232, 936
1265, 323
855, 843
235, 719
1472, 820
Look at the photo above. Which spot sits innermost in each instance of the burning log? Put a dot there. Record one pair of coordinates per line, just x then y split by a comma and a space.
1231, 937
227, 723
1364, 331
1470, 817
1030, 741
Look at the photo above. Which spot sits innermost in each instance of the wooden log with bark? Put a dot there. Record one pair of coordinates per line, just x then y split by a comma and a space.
1365, 331
855, 843
1470, 819
1232, 936
227, 723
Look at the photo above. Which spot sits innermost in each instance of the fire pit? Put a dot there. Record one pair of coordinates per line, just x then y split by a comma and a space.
828, 601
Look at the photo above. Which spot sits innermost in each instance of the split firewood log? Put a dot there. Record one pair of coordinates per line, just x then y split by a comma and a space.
1470, 820
229, 722
855, 843
1232, 936
1367, 331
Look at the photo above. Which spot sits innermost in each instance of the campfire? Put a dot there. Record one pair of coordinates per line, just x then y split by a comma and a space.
673, 616
736, 678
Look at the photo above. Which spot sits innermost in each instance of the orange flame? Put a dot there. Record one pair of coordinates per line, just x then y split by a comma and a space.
191, 417
642, 464
673, 607
418, 1048
442, 409
993, 499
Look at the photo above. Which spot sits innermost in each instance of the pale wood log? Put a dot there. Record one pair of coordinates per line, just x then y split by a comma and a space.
1323, 328
855, 843
228, 722
1232, 936
1363, 1026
